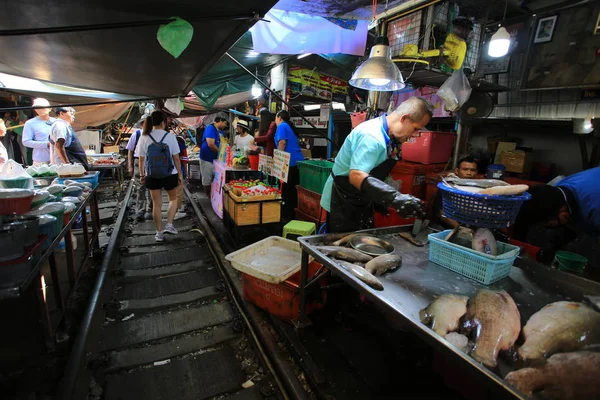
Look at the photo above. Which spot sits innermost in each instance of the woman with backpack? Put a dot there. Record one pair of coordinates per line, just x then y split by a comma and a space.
160, 168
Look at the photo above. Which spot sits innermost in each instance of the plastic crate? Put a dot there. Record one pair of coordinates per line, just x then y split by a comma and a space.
309, 203
16, 206
413, 176
91, 177
470, 263
314, 174
283, 300
429, 147
392, 219
301, 216
481, 210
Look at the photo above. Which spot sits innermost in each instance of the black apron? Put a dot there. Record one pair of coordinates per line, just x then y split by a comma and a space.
350, 211
75, 151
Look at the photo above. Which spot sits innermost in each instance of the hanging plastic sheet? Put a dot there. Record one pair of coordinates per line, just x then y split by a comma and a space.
294, 33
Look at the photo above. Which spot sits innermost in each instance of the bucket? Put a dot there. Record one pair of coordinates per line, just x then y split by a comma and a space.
570, 262
496, 171
253, 158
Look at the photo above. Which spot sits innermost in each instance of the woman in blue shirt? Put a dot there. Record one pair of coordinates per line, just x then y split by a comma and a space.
286, 140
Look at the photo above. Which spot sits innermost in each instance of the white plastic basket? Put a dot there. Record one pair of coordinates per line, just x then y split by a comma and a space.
273, 259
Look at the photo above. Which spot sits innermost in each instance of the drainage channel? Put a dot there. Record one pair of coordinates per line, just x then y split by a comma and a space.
166, 325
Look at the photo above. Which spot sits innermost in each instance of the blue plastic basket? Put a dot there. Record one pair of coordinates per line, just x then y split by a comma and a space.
481, 210
478, 266
91, 177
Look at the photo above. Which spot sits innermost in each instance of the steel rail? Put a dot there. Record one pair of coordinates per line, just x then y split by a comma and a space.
290, 387
78, 358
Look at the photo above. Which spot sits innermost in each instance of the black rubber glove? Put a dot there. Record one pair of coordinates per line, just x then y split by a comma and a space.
380, 192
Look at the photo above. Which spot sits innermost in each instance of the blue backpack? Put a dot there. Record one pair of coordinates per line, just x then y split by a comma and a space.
159, 162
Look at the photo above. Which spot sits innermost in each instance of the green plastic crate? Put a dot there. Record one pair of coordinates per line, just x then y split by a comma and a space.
314, 174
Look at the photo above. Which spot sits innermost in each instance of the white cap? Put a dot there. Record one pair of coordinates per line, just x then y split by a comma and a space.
39, 102
243, 124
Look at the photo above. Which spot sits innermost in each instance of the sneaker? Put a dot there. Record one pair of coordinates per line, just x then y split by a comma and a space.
159, 237
170, 229
180, 215
148, 216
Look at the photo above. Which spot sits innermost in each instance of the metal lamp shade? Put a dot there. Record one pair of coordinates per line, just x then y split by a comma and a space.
378, 72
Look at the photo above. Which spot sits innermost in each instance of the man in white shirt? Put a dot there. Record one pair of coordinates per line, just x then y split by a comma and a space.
242, 138
66, 145
36, 132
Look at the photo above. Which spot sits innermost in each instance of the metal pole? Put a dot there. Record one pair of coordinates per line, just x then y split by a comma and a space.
285, 84
459, 133
321, 133
92, 103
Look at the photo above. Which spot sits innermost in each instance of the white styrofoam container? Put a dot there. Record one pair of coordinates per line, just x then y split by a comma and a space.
273, 259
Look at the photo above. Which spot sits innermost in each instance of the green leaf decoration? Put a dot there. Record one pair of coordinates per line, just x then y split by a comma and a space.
176, 36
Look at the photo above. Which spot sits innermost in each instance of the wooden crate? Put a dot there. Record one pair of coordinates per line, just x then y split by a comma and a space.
244, 212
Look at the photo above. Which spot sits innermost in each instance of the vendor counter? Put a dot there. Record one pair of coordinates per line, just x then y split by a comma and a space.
418, 282
223, 175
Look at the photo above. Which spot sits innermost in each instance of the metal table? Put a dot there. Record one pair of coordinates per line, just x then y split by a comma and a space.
116, 170
418, 282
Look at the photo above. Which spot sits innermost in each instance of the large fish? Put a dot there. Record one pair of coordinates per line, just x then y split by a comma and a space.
565, 376
381, 264
362, 274
496, 321
444, 313
343, 253
559, 327
345, 240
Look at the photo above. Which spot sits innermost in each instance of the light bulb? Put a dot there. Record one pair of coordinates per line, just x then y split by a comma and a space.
379, 82
500, 43
256, 90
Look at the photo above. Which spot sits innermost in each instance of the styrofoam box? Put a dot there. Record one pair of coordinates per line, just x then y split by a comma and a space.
273, 259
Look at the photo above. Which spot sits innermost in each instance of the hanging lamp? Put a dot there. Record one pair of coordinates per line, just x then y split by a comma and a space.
500, 42
378, 72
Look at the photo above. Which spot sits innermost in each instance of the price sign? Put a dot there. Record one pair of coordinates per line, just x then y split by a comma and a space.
265, 164
281, 165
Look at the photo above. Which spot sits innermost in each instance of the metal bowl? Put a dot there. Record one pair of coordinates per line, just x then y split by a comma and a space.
371, 245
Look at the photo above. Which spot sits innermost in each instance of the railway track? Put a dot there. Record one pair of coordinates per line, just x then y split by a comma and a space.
165, 323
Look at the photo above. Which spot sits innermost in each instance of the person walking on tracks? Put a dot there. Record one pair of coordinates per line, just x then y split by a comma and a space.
160, 168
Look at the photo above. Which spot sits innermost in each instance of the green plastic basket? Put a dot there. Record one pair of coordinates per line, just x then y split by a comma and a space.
314, 174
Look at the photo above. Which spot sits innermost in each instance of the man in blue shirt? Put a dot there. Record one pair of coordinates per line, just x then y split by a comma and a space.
209, 150
364, 161
36, 132
574, 199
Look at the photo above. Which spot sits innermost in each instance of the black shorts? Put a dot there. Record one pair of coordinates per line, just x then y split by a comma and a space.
168, 183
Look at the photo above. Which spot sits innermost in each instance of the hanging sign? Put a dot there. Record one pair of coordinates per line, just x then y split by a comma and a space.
308, 82
281, 165
316, 121
265, 164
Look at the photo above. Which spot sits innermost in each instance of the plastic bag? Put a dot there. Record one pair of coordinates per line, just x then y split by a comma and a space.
14, 176
455, 91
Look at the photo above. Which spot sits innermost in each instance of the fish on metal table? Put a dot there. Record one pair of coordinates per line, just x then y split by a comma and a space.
344, 253
494, 318
565, 376
361, 274
444, 313
344, 241
559, 327
383, 263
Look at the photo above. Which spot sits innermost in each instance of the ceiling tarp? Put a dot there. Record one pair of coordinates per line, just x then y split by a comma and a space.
226, 77
358, 9
92, 116
55, 94
72, 45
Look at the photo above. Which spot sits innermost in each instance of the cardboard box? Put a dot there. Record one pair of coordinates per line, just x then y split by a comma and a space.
516, 161
501, 148
110, 149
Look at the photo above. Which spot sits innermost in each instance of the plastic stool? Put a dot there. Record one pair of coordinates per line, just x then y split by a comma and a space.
301, 228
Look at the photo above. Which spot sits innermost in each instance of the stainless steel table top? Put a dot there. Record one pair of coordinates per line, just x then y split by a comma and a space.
418, 282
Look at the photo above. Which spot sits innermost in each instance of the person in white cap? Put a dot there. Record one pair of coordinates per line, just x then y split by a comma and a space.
36, 132
242, 138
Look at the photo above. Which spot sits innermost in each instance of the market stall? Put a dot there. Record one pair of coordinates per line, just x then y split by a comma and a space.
412, 287
32, 295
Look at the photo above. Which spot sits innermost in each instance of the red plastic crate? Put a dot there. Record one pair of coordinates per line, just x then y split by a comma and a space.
283, 300
429, 147
531, 250
309, 203
413, 176
300, 216
393, 219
